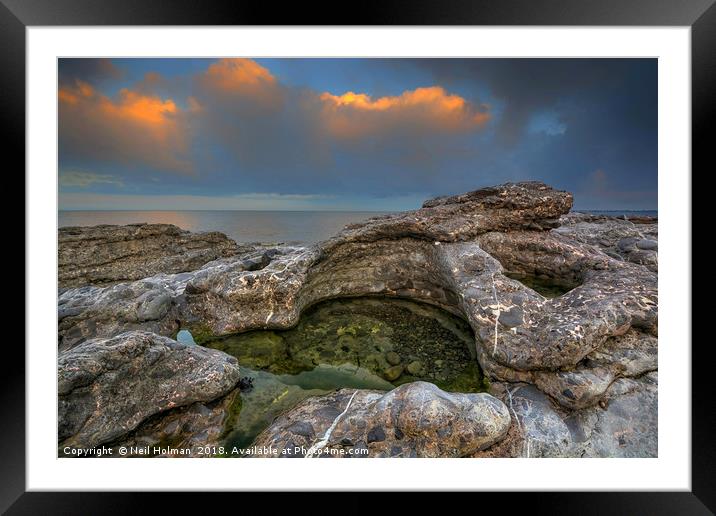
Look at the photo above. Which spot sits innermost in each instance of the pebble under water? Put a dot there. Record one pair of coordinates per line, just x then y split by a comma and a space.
366, 343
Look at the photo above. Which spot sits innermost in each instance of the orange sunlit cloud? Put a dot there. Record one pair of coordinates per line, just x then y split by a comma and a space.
132, 126
231, 73
238, 78
355, 114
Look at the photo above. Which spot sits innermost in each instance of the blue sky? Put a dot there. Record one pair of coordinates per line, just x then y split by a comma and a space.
352, 134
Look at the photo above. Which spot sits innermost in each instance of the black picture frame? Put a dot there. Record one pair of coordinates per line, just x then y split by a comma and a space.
700, 15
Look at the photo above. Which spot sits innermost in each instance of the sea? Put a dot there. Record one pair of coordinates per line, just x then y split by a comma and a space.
249, 226
241, 226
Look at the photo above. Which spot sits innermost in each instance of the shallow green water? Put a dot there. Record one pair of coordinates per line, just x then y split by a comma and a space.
548, 287
367, 343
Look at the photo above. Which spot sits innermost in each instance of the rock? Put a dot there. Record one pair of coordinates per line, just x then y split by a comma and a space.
101, 255
481, 256
375, 435
612, 296
626, 427
415, 368
393, 373
579, 388
629, 355
512, 317
462, 217
196, 427
155, 308
633, 239
539, 427
626, 244
302, 428
107, 387
647, 244
410, 420
393, 358
155, 303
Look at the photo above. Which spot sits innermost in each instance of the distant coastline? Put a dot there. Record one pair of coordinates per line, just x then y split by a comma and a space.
619, 213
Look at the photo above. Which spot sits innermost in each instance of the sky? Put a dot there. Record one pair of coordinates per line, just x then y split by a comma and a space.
351, 134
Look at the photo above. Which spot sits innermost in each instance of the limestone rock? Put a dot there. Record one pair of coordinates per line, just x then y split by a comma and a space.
107, 387
624, 424
102, 255
414, 420
632, 239
511, 206
150, 304
198, 427
540, 428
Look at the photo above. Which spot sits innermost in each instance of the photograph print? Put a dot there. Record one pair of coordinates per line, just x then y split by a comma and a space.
350, 258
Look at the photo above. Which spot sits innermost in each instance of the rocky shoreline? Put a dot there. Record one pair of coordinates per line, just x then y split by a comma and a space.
571, 376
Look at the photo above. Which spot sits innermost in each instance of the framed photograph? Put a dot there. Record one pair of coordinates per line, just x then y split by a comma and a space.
439, 240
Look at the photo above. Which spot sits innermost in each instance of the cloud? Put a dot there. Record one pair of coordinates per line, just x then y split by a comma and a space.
430, 109
230, 78
233, 73
90, 70
131, 128
527, 86
361, 127
242, 124
85, 179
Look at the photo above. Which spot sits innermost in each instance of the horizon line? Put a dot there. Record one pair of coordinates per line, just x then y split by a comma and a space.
320, 210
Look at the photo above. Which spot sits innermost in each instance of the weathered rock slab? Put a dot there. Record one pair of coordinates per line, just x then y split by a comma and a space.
510, 206
633, 240
105, 254
107, 387
193, 431
414, 420
623, 424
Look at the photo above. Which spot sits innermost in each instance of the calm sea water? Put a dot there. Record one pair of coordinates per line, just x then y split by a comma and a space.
619, 213
248, 226
242, 226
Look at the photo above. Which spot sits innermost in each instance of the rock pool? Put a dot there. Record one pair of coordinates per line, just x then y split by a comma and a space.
366, 343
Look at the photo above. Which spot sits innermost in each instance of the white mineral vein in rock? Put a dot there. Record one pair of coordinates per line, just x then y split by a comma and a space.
519, 425
324, 441
497, 315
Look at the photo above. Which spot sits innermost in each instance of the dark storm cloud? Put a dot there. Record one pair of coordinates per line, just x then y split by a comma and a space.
607, 109
528, 85
94, 71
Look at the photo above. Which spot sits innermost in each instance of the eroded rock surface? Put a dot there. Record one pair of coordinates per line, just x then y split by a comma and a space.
623, 424
414, 420
155, 303
479, 255
633, 239
198, 427
107, 387
102, 255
